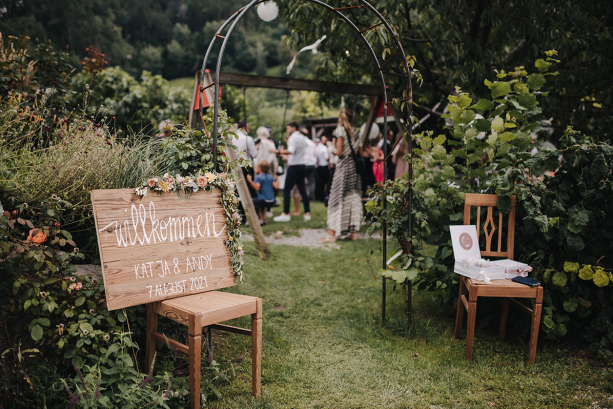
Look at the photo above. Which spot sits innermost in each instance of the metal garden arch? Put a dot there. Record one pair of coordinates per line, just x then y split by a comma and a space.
236, 17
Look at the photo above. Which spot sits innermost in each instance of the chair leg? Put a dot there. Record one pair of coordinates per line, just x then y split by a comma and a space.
534, 333
195, 362
152, 324
503, 319
459, 318
470, 330
256, 351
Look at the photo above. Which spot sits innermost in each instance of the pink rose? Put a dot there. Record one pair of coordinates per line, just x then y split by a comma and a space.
201, 181
151, 182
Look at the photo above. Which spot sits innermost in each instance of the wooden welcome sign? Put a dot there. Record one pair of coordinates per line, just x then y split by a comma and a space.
160, 246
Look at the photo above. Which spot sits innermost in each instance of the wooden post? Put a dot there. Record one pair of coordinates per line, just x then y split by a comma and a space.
250, 212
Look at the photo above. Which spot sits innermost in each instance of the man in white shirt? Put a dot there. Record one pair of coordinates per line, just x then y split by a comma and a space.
296, 172
323, 171
310, 163
245, 149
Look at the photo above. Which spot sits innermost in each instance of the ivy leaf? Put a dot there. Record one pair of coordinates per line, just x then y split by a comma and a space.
586, 272
527, 100
600, 278
79, 301
575, 243
571, 267
559, 279
439, 153
542, 65
484, 105
561, 330
464, 101
504, 203
570, 305
536, 81
598, 168
85, 326
439, 140
482, 125
501, 89
507, 136
548, 322
36, 332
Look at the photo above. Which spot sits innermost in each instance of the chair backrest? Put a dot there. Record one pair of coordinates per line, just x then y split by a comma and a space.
160, 246
488, 226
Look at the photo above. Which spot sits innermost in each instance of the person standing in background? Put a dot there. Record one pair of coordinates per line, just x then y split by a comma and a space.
345, 203
310, 163
296, 172
402, 166
323, 170
245, 150
264, 149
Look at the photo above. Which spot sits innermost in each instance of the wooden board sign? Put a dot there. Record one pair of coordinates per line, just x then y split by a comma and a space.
160, 246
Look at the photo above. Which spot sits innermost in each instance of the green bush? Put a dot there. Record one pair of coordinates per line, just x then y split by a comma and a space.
564, 228
566, 233
132, 105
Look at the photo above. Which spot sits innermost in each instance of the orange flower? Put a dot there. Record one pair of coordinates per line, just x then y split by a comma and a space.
38, 238
151, 182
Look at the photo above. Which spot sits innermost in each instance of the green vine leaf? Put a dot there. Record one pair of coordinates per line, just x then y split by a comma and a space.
601, 279
37, 332
559, 279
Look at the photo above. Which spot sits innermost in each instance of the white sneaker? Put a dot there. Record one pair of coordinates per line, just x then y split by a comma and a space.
269, 214
283, 218
307, 217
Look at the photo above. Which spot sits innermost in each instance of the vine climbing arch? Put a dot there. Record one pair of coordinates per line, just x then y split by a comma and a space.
408, 92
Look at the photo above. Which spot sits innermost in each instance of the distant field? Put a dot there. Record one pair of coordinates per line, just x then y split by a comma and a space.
183, 82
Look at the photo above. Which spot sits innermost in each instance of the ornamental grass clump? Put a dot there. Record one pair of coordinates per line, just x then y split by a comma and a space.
80, 155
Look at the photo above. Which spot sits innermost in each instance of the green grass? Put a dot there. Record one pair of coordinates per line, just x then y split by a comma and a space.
183, 82
324, 345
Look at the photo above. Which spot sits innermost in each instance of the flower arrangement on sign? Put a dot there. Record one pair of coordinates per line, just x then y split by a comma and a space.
191, 151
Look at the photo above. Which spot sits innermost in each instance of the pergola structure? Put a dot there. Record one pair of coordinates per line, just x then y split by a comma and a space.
224, 34
287, 84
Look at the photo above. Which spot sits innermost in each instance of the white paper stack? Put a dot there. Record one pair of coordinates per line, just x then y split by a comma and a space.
468, 261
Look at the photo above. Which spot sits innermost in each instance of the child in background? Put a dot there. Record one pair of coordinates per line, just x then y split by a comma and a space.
263, 183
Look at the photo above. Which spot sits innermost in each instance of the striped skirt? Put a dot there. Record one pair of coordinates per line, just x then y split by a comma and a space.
345, 202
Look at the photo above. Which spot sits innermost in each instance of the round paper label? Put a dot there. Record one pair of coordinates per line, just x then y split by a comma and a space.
466, 241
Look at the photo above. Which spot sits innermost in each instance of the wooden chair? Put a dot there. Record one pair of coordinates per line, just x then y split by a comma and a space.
206, 310
506, 289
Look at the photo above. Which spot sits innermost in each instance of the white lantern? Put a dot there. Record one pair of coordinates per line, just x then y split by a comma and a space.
374, 131
268, 11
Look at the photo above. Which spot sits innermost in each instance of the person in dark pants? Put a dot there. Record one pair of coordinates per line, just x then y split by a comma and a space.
296, 172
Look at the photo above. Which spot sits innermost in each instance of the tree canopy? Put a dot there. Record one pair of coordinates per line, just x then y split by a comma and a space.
460, 43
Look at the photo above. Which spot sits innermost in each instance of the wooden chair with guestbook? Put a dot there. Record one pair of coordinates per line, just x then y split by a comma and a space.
506, 289
170, 254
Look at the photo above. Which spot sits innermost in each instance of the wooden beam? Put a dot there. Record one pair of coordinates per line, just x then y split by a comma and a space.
260, 81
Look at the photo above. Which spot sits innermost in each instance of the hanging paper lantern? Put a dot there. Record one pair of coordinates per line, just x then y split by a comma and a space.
268, 11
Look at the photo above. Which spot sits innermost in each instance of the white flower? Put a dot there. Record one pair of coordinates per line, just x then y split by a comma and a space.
166, 175
179, 179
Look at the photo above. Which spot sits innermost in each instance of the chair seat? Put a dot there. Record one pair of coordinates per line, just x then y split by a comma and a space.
500, 288
208, 308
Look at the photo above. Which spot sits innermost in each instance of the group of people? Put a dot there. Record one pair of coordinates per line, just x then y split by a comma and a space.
318, 169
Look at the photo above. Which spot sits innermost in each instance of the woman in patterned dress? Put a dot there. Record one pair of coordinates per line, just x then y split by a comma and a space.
345, 202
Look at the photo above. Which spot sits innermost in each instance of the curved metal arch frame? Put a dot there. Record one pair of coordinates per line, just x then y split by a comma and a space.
236, 17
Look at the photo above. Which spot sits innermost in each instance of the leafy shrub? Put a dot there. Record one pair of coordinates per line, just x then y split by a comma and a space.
567, 235
79, 156
131, 104
563, 222
188, 151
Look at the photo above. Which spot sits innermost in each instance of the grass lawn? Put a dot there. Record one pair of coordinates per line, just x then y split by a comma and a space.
324, 345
